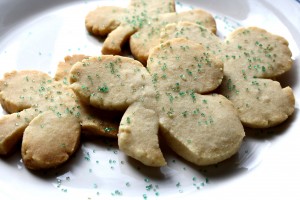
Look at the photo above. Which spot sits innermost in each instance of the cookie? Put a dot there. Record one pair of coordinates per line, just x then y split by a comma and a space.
140, 23
204, 129
93, 121
116, 83
251, 56
45, 111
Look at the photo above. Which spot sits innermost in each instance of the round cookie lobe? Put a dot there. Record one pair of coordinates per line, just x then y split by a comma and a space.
110, 82
182, 64
204, 130
46, 145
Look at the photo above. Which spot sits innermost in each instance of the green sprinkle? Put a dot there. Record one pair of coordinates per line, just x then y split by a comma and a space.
77, 114
182, 93
244, 74
117, 193
164, 67
108, 129
189, 72
195, 112
58, 114
144, 196
171, 98
103, 89
154, 78
184, 114
182, 76
112, 68
192, 94
206, 180
147, 180
149, 187
128, 120
90, 78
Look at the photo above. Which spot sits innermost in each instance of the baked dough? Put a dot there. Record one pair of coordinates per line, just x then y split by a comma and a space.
140, 23
93, 121
204, 129
251, 56
45, 111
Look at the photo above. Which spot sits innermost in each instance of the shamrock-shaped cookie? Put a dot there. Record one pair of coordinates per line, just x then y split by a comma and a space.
251, 57
93, 121
166, 97
141, 22
45, 111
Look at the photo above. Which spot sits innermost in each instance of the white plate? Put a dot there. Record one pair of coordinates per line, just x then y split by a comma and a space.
38, 34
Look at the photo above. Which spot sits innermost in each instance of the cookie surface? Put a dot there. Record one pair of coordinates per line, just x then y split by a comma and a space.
93, 121
47, 145
33, 97
140, 23
110, 82
194, 32
120, 23
181, 64
258, 52
115, 82
203, 129
251, 56
149, 36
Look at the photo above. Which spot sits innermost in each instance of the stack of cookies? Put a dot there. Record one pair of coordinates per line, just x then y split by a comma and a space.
184, 83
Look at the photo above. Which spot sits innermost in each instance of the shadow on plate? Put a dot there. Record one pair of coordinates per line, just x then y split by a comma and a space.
273, 132
249, 155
